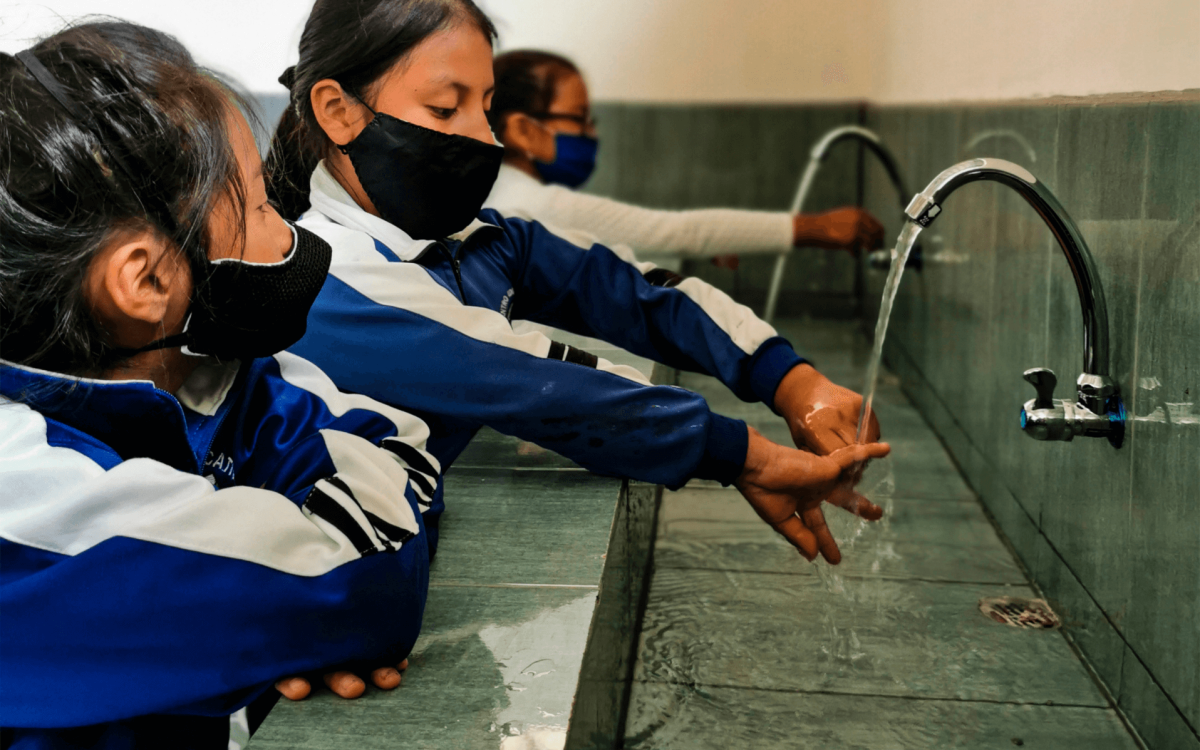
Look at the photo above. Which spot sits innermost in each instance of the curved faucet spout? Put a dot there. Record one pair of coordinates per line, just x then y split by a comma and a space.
927, 205
816, 157
848, 132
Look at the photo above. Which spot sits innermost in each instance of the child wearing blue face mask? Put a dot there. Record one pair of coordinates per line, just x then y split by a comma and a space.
542, 115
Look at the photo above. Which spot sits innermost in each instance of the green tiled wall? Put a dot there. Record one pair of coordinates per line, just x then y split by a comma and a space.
1112, 536
701, 156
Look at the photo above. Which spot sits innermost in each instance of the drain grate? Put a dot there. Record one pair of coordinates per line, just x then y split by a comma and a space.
1020, 613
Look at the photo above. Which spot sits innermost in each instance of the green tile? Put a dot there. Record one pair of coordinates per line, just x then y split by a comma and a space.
1102, 155
492, 450
491, 663
1158, 719
948, 541
1173, 132
1083, 620
511, 526
1164, 519
900, 638
682, 156
713, 717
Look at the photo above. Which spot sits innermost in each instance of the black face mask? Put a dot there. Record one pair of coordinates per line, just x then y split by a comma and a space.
427, 183
245, 310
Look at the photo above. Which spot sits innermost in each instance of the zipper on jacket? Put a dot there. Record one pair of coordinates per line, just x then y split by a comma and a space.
456, 266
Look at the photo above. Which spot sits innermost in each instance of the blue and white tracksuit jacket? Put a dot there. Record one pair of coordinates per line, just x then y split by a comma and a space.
426, 326
167, 557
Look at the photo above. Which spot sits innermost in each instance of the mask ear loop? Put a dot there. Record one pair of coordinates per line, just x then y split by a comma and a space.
345, 149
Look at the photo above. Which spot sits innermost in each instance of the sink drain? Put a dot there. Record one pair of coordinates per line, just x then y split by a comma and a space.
1020, 613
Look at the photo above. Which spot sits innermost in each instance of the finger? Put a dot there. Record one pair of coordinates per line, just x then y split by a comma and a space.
794, 530
844, 435
814, 519
855, 454
873, 434
346, 684
386, 678
855, 503
294, 688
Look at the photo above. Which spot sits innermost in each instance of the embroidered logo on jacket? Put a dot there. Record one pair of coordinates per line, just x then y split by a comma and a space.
506, 304
222, 466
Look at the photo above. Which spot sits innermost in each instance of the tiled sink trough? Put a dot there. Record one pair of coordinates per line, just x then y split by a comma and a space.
532, 619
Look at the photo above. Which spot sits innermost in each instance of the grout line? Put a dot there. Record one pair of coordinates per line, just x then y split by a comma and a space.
850, 576
463, 585
840, 694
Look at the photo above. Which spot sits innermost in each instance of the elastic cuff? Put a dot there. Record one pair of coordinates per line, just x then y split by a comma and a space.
774, 359
725, 453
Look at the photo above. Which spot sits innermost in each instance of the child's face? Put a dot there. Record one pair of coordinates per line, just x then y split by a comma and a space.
267, 237
444, 84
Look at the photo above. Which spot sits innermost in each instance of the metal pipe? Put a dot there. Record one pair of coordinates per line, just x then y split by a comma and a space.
927, 205
818, 155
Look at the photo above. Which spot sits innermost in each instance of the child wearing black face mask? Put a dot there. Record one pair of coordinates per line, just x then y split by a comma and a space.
178, 530
389, 103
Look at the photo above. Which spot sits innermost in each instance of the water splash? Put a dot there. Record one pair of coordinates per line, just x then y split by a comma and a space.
900, 253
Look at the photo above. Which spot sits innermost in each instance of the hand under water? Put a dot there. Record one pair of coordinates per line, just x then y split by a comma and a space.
786, 487
821, 415
343, 683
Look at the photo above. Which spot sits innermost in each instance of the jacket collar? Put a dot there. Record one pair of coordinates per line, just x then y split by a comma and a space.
330, 200
133, 417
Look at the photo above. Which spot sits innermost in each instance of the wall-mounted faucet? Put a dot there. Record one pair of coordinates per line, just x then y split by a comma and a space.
1097, 410
819, 152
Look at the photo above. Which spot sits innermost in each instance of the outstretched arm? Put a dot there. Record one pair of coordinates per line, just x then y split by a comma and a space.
572, 283
390, 331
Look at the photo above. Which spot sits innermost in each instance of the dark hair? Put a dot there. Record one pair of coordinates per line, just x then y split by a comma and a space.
526, 81
354, 42
156, 156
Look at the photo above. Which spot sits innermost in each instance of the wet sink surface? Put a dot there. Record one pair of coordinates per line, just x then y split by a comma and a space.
529, 557
744, 644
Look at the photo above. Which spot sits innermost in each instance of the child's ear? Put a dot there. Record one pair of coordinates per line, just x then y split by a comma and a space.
527, 136
338, 114
136, 286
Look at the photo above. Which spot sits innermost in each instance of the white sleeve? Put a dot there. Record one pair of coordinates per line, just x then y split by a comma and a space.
697, 232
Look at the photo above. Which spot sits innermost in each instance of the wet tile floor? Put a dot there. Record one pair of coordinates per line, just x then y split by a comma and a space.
744, 644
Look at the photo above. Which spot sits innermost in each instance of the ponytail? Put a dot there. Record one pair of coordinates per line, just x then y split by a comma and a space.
290, 162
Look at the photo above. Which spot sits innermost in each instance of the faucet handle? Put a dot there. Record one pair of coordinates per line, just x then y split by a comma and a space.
1043, 380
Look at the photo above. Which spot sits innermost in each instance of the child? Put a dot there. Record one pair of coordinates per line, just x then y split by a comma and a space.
187, 514
388, 117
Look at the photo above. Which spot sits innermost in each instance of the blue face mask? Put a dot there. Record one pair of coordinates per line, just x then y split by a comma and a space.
574, 160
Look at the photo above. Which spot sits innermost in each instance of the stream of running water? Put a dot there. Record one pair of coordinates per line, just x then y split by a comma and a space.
877, 482
904, 246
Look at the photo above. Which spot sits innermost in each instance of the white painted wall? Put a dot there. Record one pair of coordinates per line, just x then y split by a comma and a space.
889, 51
1003, 49
705, 50
252, 40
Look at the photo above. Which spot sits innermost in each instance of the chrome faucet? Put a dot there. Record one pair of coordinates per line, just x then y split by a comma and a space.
1097, 410
819, 152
